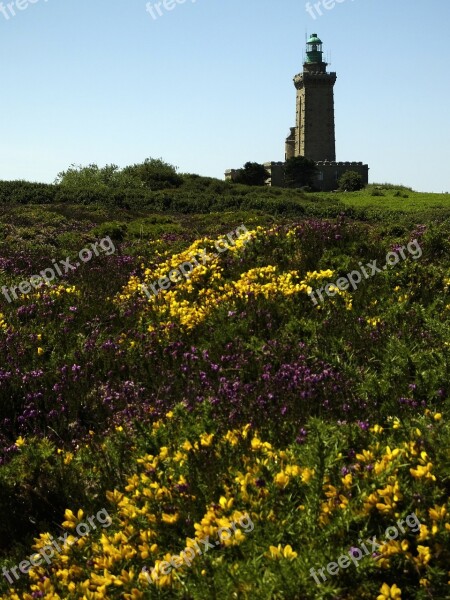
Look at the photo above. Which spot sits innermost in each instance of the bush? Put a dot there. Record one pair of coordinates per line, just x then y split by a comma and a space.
27, 192
154, 174
116, 231
351, 181
252, 174
299, 172
94, 177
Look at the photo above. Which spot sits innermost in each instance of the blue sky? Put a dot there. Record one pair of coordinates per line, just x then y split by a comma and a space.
208, 85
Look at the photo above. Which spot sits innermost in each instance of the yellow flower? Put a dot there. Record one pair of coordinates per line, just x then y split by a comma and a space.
68, 458
40, 351
231, 437
164, 452
347, 481
437, 513
307, 475
424, 556
169, 519
377, 429
423, 472
256, 443
281, 479
226, 503
437, 416
206, 439
71, 520
277, 552
388, 593
20, 442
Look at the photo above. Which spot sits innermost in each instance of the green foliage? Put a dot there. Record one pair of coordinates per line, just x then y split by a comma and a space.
35, 483
199, 184
299, 172
116, 231
154, 174
252, 174
351, 181
26, 192
391, 186
94, 177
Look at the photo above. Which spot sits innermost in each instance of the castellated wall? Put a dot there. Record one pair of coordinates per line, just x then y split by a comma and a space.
329, 172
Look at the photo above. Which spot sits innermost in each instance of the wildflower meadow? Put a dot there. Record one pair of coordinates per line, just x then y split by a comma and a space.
228, 401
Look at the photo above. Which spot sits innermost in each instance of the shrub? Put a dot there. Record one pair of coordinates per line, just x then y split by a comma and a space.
299, 172
351, 181
27, 192
252, 174
116, 231
154, 174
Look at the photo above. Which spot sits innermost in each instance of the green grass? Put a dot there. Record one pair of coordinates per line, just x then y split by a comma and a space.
416, 201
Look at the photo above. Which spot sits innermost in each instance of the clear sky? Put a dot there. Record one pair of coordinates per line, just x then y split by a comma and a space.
208, 84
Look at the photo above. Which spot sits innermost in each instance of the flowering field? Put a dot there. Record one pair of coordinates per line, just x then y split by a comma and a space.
240, 437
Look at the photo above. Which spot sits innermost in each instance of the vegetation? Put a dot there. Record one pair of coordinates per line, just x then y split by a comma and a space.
230, 394
152, 174
351, 181
252, 174
299, 172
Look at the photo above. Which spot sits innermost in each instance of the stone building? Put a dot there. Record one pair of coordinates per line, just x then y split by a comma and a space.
313, 135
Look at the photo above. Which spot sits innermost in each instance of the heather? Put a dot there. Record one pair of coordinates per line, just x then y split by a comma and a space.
230, 393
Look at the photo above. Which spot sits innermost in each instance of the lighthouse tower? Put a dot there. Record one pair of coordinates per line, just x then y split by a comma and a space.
313, 135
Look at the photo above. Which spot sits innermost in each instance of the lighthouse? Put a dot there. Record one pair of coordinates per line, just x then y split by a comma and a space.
313, 135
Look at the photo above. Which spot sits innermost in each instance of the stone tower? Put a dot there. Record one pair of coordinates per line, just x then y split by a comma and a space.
313, 134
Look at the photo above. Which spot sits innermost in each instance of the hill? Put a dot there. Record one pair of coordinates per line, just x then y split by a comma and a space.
230, 389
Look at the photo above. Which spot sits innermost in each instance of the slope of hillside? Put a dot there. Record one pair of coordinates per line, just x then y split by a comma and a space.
277, 374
